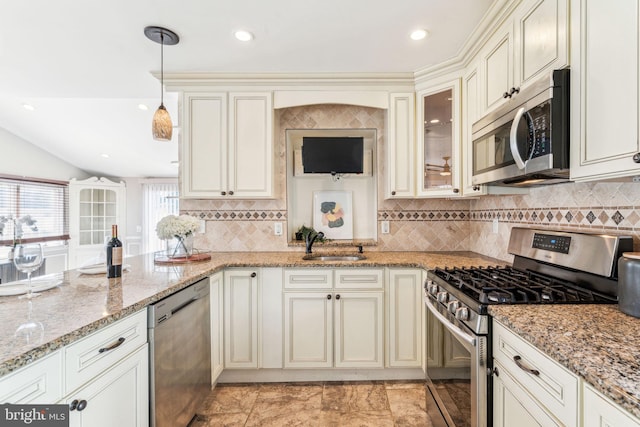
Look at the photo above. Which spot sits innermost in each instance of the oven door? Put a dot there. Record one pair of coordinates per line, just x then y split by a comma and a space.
457, 371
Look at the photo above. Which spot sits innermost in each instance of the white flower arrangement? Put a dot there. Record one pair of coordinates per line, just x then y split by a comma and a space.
177, 226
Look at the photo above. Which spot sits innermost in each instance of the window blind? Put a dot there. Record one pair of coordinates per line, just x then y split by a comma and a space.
33, 210
159, 200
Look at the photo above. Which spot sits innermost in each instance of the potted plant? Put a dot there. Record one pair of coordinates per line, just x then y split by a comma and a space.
304, 231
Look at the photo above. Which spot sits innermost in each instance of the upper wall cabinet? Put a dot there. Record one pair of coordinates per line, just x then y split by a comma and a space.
470, 113
401, 148
604, 95
227, 145
438, 144
532, 42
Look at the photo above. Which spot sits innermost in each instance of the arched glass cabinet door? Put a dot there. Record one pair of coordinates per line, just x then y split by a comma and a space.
94, 205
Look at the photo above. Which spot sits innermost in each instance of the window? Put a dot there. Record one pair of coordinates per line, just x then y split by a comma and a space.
33, 210
159, 200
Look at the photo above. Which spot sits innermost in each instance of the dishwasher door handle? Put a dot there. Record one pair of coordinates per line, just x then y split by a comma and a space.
183, 305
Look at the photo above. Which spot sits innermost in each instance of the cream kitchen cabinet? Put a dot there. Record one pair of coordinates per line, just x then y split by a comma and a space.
470, 113
341, 326
404, 318
227, 145
604, 120
532, 41
401, 166
39, 382
600, 411
529, 387
118, 397
241, 318
216, 303
438, 167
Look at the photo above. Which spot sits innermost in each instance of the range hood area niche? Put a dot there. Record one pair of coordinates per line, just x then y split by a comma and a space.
363, 187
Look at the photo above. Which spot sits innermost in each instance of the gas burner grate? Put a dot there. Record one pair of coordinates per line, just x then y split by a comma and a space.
509, 285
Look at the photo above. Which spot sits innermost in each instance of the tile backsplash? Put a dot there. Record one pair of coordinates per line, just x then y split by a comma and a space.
417, 224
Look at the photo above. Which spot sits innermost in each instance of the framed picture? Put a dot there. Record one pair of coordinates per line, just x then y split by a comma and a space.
333, 214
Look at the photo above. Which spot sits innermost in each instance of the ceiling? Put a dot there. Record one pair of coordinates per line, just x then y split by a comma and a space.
86, 65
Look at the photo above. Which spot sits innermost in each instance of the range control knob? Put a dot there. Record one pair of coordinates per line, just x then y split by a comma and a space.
453, 306
432, 288
462, 313
442, 297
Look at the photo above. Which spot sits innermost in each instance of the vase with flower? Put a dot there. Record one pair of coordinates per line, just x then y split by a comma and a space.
18, 229
178, 232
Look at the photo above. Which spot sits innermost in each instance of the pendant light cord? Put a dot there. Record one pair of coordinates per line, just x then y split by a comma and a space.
162, 69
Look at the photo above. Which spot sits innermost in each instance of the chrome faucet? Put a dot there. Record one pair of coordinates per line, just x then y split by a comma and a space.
309, 240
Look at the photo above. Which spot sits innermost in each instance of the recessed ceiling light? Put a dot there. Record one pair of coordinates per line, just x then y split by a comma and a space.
419, 34
106, 156
28, 107
143, 107
434, 121
243, 36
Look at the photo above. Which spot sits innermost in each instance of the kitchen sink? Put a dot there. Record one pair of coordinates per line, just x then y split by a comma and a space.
318, 257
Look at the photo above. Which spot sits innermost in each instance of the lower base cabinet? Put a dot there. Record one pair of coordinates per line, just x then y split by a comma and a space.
599, 411
118, 397
217, 322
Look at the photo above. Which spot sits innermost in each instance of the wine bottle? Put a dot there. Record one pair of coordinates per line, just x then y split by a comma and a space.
114, 254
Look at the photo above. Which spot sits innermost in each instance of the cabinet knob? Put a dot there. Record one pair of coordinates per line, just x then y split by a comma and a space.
329, 296
231, 192
456, 190
82, 404
73, 405
636, 157
513, 91
506, 95
476, 188
338, 296
393, 193
254, 274
223, 193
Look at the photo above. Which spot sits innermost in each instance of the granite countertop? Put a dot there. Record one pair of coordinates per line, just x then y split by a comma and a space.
597, 342
85, 303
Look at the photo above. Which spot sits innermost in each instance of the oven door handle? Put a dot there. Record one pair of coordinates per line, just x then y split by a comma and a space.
461, 335
513, 139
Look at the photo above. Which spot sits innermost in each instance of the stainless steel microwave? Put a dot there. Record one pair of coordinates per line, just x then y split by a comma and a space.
526, 141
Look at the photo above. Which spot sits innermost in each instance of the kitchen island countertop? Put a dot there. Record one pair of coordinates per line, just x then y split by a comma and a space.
597, 342
85, 303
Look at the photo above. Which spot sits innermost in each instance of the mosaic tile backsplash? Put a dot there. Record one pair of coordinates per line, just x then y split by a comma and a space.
418, 224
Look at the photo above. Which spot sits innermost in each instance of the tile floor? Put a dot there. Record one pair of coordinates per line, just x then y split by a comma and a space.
344, 404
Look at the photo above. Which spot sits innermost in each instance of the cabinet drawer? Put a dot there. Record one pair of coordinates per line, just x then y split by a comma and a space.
553, 385
95, 353
359, 278
308, 278
40, 382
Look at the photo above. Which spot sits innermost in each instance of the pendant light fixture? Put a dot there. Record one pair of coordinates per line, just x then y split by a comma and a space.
161, 127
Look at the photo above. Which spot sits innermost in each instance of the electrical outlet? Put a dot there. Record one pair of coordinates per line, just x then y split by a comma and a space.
494, 225
203, 226
277, 228
138, 229
384, 226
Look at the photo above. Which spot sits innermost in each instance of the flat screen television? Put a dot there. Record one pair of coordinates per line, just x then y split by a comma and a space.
334, 155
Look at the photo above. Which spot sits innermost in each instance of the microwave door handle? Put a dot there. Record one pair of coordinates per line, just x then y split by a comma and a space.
513, 139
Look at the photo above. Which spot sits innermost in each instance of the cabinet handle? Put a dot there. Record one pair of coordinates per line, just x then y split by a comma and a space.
112, 346
329, 296
223, 193
338, 296
636, 157
73, 405
393, 193
254, 274
82, 405
518, 359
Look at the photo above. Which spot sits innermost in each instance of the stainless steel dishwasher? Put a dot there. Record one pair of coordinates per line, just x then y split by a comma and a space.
180, 353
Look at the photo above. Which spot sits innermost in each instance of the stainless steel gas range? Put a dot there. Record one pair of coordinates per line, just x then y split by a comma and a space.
550, 267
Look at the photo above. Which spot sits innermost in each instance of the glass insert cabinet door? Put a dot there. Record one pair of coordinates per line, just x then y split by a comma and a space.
94, 205
438, 135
